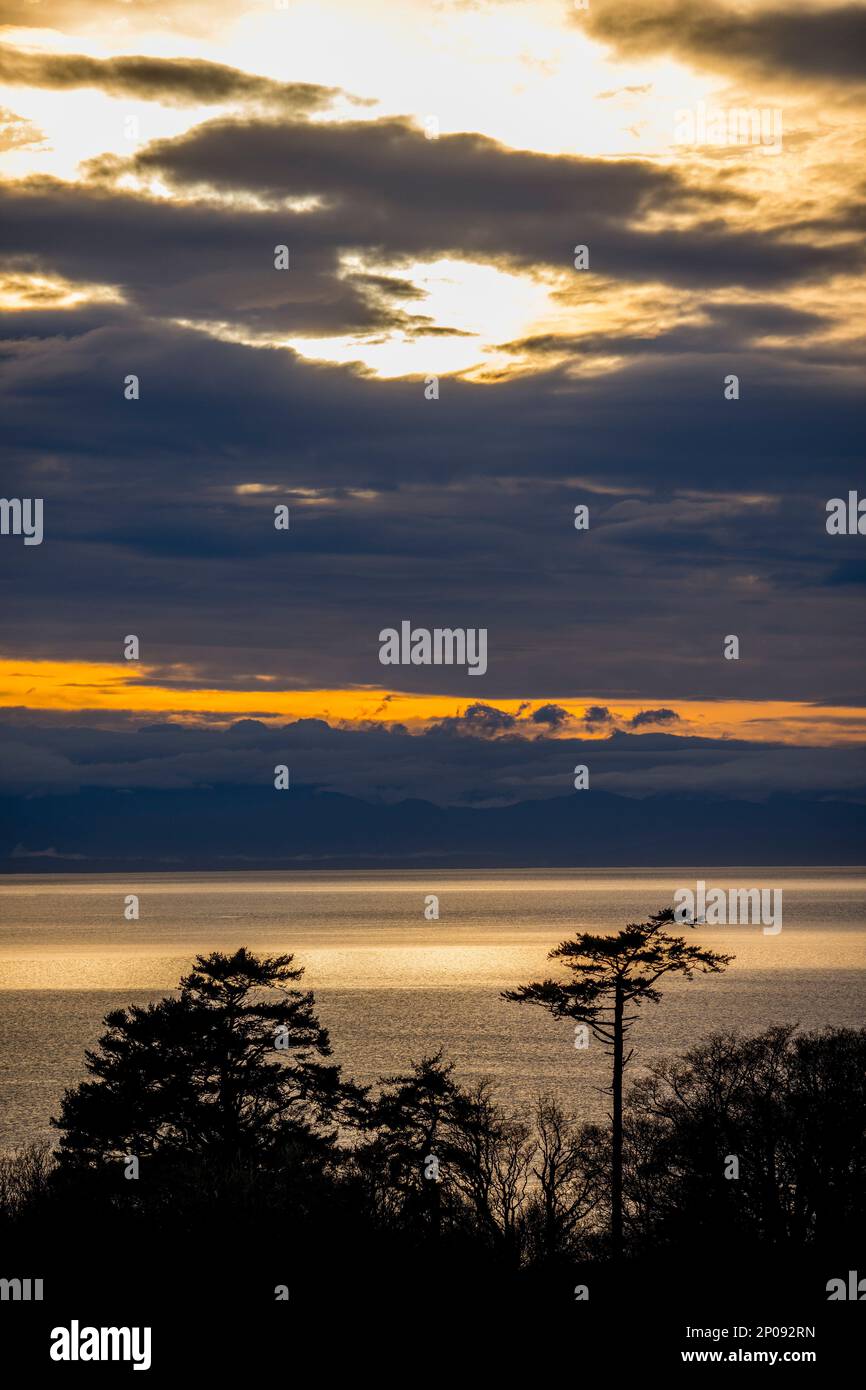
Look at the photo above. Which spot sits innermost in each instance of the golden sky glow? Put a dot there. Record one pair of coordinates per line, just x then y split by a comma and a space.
533, 77
71, 687
539, 78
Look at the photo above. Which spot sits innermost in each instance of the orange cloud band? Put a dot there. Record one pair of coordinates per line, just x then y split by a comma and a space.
77, 687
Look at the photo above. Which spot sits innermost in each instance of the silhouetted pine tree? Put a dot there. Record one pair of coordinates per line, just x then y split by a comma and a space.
229, 1070
610, 974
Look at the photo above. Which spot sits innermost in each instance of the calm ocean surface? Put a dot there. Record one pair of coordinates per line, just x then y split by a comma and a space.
391, 985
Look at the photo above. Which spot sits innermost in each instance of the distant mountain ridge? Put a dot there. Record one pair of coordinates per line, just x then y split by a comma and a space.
97, 830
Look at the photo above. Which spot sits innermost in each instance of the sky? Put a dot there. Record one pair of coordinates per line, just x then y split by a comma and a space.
432, 387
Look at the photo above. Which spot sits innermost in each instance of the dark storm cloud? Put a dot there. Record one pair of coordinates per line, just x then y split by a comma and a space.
386, 192
389, 190
815, 43
447, 765
212, 262
192, 260
144, 492
172, 81
389, 163
310, 425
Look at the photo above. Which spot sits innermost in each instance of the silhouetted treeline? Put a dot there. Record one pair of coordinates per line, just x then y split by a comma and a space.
757, 1140
214, 1116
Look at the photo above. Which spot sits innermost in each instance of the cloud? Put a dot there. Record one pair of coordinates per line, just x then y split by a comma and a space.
111, 16
646, 717
596, 715
453, 764
811, 42
553, 716
16, 133
739, 324
638, 90
379, 191
484, 721
193, 261
392, 495
706, 515
172, 81
599, 717
384, 187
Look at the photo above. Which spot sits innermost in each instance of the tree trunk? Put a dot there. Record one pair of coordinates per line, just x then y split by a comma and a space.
616, 1153
435, 1208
